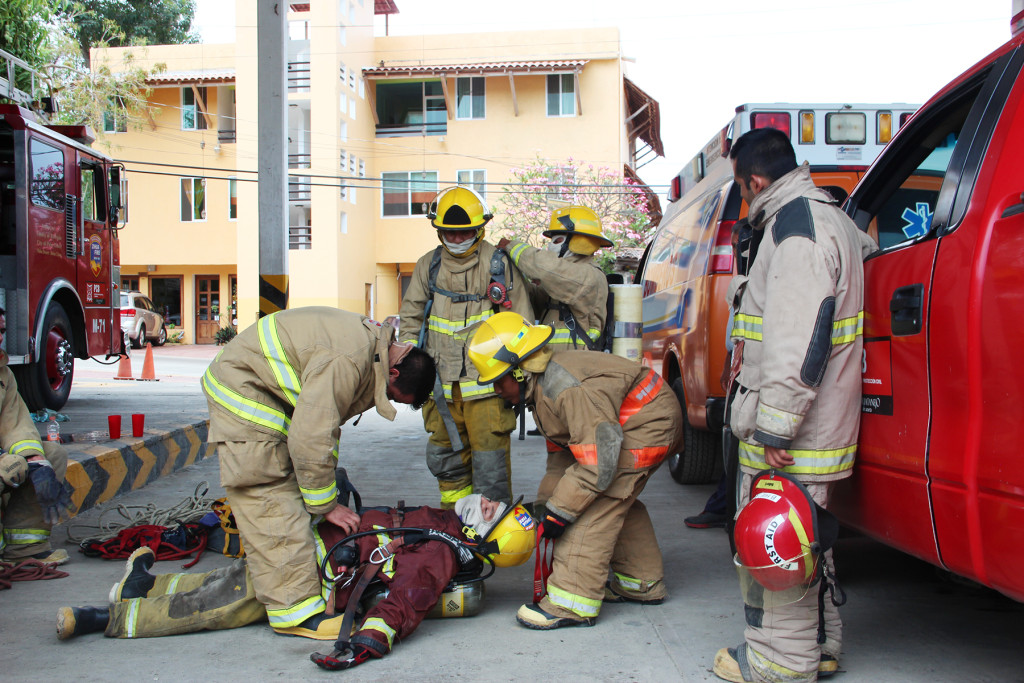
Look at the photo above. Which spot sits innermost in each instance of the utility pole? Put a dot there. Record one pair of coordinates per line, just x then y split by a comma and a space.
272, 153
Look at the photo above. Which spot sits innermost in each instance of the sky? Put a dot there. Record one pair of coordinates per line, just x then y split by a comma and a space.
700, 60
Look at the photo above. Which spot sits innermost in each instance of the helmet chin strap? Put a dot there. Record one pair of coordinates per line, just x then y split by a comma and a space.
520, 408
571, 227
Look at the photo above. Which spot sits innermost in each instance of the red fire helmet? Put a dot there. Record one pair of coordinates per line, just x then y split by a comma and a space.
781, 533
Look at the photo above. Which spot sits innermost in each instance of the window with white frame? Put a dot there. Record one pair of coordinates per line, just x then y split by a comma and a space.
193, 199
232, 199
561, 95
115, 119
191, 114
408, 194
473, 178
469, 98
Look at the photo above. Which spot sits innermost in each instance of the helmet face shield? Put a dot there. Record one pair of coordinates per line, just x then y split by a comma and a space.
756, 594
502, 341
515, 534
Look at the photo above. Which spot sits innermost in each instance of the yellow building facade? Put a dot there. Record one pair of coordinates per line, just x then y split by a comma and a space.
376, 126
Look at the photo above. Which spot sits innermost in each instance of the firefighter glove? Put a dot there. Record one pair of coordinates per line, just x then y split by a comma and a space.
552, 526
13, 470
341, 659
54, 497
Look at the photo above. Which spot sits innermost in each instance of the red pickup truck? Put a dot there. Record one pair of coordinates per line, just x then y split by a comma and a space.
940, 471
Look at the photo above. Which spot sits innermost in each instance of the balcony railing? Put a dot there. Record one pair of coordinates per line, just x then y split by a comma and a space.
300, 237
298, 188
298, 76
398, 130
299, 160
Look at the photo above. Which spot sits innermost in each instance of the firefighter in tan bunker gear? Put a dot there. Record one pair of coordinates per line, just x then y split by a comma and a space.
619, 421
34, 496
462, 282
278, 394
570, 293
798, 328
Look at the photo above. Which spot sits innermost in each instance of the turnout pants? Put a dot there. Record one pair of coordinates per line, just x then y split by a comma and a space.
484, 465
276, 531
186, 603
24, 531
782, 641
615, 530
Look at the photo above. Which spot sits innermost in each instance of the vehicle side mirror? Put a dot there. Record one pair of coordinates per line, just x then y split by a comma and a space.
115, 190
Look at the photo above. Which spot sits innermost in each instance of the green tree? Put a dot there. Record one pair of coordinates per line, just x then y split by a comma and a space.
524, 210
24, 33
152, 22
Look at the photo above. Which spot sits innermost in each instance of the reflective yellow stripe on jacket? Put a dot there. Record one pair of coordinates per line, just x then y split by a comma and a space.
846, 330
747, 326
827, 461
245, 408
563, 336
270, 342
19, 447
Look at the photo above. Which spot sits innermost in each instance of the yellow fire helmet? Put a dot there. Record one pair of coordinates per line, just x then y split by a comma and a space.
458, 208
515, 535
582, 228
502, 341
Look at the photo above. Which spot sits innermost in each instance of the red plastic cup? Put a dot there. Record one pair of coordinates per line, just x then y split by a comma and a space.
114, 426
138, 422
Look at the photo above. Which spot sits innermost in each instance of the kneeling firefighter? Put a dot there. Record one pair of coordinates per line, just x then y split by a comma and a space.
619, 422
407, 564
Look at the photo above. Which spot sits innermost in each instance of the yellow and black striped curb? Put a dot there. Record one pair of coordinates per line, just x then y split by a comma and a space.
98, 473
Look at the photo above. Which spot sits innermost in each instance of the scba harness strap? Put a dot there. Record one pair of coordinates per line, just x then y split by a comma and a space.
497, 294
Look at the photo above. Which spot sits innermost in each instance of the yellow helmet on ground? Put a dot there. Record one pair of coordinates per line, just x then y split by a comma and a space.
581, 226
515, 534
502, 341
458, 208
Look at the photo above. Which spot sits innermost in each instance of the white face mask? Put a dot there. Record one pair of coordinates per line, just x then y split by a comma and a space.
555, 244
460, 248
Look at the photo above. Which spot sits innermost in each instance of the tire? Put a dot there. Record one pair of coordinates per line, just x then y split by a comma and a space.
161, 338
140, 340
46, 383
701, 459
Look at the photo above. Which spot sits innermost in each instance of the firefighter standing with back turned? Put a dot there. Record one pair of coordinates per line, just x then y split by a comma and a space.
798, 325
278, 395
571, 294
462, 282
619, 421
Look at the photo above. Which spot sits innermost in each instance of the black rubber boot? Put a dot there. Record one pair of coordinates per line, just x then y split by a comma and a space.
137, 581
77, 621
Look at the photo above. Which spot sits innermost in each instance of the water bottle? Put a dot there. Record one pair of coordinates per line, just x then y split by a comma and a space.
53, 429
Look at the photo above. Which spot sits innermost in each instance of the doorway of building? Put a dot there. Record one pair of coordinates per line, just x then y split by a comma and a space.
207, 308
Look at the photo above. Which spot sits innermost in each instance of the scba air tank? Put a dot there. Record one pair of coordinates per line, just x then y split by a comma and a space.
458, 600
628, 313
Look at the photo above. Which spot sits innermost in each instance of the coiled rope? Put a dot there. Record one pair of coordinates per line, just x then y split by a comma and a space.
190, 509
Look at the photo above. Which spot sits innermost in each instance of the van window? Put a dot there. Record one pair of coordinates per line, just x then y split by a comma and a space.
898, 204
676, 254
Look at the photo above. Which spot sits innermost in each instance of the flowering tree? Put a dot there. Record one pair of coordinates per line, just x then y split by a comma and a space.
524, 210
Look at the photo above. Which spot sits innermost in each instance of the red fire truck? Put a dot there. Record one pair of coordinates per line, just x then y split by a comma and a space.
61, 205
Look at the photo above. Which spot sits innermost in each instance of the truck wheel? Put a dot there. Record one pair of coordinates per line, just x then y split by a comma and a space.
46, 383
161, 338
701, 459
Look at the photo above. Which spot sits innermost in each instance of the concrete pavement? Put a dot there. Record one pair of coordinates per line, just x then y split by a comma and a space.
904, 622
